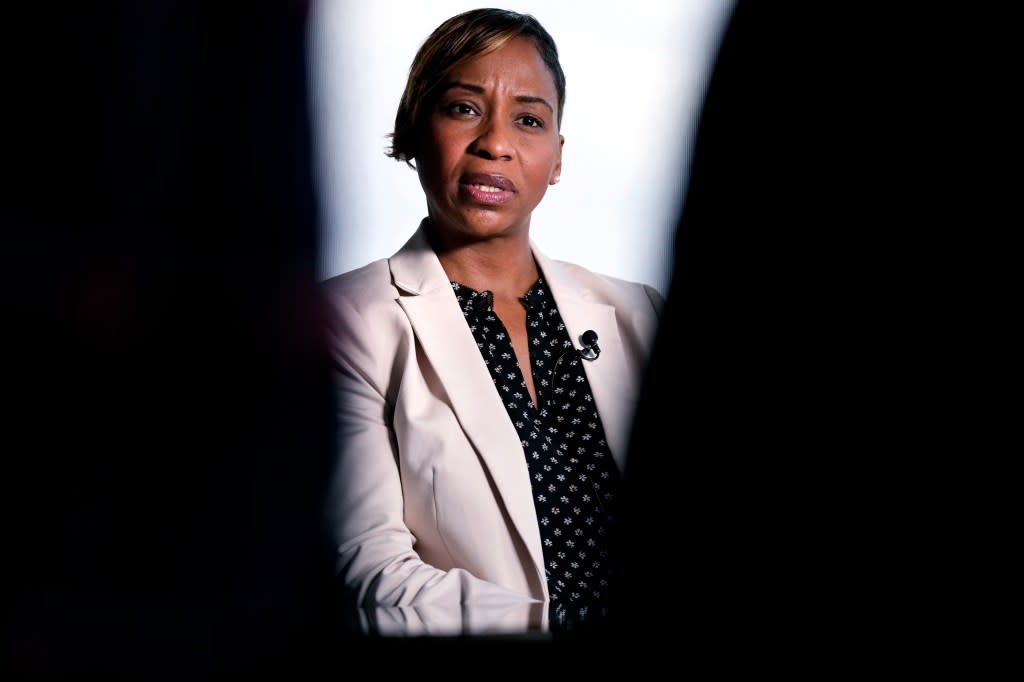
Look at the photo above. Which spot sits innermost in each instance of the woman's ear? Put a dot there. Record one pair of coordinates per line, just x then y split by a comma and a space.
556, 172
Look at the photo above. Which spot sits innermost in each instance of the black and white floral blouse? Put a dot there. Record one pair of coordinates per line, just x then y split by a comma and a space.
575, 480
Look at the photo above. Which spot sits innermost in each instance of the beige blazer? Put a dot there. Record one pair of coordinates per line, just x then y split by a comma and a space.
430, 501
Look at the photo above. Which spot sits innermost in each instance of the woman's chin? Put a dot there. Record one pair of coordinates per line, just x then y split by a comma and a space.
479, 224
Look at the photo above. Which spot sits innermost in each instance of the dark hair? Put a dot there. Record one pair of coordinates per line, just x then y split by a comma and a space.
459, 39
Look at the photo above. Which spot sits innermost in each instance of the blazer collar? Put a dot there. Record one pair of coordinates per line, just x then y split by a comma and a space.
415, 269
612, 380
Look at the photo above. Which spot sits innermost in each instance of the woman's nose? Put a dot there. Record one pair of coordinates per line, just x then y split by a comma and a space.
494, 141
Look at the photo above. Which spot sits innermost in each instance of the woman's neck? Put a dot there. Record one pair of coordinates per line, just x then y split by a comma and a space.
503, 266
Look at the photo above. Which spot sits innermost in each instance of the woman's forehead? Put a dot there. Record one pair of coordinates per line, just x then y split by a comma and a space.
517, 62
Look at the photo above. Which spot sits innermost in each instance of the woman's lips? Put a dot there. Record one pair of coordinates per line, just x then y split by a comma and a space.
482, 188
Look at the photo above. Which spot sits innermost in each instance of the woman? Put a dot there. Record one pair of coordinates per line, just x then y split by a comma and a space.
485, 390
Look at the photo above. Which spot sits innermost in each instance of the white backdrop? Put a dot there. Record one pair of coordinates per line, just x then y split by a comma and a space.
635, 72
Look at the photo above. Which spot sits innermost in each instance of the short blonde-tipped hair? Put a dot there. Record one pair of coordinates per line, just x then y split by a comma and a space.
459, 39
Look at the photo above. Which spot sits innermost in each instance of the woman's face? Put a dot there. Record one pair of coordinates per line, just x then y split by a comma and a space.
490, 145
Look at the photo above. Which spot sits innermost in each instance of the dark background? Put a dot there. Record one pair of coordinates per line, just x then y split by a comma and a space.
788, 501
168, 409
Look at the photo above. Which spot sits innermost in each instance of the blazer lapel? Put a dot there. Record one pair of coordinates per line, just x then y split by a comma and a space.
611, 380
446, 340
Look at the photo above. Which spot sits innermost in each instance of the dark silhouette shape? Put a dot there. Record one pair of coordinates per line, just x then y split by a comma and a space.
169, 420
762, 424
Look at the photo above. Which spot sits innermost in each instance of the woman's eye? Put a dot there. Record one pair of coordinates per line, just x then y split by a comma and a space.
461, 109
531, 122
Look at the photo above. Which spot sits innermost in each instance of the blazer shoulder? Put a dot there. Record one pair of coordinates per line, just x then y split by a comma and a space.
367, 329
615, 290
367, 284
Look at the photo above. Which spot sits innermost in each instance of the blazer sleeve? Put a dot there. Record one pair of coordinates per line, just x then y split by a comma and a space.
656, 298
375, 556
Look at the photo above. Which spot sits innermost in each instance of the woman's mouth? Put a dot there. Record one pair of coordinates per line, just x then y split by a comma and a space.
483, 188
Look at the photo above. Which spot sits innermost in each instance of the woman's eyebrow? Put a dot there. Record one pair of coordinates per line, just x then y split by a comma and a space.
529, 99
525, 99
